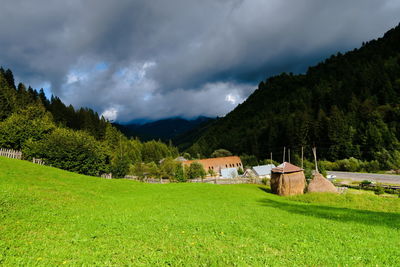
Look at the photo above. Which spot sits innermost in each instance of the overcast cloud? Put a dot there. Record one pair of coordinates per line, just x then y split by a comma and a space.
155, 59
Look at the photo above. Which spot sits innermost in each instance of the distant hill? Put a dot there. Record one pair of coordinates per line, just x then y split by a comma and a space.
166, 129
348, 106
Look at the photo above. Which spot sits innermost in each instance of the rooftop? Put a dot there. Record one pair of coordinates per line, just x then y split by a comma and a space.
286, 167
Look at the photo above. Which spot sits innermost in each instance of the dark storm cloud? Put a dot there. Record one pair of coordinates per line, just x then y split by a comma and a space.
154, 59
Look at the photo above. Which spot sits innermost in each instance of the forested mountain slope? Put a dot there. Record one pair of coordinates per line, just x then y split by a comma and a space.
348, 106
165, 129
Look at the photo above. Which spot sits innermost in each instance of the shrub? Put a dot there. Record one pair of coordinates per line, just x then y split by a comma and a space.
379, 190
180, 173
196, 170
265, 181
365, 183
32, 123
75, 151
249, 160
120, 166
221, 153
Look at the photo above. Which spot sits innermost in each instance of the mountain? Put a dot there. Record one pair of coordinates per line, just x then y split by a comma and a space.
166, 129
347, 106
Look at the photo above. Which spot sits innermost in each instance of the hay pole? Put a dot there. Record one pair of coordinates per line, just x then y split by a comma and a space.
315, 158
289, 154
302, 157
271, 158
284, 151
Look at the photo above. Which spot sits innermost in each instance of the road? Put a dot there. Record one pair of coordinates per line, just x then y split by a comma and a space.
379, 178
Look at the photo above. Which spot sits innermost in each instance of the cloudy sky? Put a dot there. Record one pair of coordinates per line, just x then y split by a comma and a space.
152, 59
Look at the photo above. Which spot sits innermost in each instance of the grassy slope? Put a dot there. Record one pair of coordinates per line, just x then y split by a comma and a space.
49, 216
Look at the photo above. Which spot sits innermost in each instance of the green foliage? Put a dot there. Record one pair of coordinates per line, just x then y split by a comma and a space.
156, 151
139, 169
32, 123
196, 170
365, 182
379, 190
351, 165
180, 173
249, 160
70, 150
187, 156
168, 168
120, 166
153, 170
7, 97
211, 172
221, 153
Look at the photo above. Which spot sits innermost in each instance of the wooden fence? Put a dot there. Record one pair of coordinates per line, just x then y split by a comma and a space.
38, 161
9, 153
227, 180
15, 154
106, 175
205, 180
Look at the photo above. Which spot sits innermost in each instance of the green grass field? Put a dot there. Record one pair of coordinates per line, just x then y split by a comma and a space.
53, 217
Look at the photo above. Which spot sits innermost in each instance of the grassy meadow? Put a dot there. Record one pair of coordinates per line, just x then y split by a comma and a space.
53, 217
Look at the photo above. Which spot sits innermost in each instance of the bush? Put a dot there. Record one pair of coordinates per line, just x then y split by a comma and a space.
120, 166
365, 183
32, 123
70, 150
379, 190
351, 165
221, 153
249, 160
196, 170
180, 173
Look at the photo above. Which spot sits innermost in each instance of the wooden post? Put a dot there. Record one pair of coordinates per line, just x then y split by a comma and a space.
271, 158
315, 158
289, 154
284, 151
302, 156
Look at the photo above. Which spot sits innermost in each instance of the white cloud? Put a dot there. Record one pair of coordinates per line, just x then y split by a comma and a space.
231, 99
110, 114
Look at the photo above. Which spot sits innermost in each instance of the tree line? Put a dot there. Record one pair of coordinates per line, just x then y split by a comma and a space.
347, 106
74, 140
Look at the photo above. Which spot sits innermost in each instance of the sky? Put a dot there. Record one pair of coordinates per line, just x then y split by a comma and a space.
153, 59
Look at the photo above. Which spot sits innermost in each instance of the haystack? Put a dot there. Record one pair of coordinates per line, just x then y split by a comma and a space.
320, 184
287, 180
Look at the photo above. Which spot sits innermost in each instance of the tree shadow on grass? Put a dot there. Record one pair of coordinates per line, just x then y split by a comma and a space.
266, 190
367, 217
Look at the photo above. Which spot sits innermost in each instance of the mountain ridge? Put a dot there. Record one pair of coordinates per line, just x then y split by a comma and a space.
347, 105
164, 129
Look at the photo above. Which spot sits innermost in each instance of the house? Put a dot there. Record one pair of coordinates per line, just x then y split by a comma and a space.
217, 164
263, 171
229, 173
249, 173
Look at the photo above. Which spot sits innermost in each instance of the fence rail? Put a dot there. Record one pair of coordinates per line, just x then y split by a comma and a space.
106, 175
38, 161
9, 153
15, 154
205, 180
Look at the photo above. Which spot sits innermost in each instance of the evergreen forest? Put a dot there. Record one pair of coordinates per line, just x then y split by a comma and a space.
72, 139
348, 106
